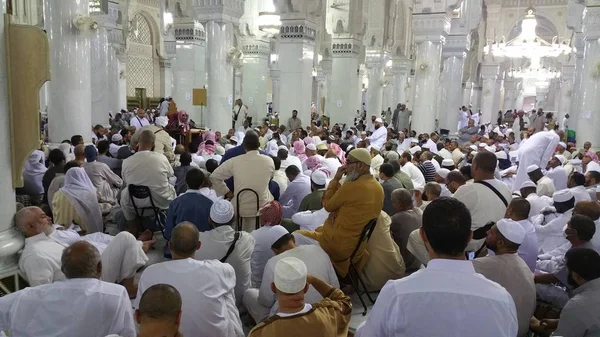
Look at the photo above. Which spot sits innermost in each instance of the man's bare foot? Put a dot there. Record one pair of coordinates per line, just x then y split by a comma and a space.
147, 245
146, 235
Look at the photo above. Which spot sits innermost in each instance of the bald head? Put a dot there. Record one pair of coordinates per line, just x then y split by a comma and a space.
518, 209
161, 302
591, 209
79, 152
81, 260
184, 240
146, 140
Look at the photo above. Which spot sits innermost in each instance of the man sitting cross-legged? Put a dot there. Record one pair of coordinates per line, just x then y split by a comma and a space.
121, 255
82, 305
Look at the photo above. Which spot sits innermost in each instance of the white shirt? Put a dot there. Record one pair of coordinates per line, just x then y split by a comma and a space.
295, 192
564, 125
484, 205
71, 308
559, 177
444, 153
550, 236
580, 194
113, 149
199, 160
281, 179
529, 248
214, 246
545, 187
537, 150
333, 164
139, 122
261, 254
537, 203
415, 174
40, 260
69, 236
317, 263
310, 221
378, 137
446, 299
206, 288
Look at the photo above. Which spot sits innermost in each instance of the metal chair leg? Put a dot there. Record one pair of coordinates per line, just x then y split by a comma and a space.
356, 289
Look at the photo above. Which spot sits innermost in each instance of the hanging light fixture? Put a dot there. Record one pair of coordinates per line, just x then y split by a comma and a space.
527, 43
269, 22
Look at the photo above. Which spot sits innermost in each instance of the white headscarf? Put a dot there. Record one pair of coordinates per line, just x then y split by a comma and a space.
82, 195
34, 172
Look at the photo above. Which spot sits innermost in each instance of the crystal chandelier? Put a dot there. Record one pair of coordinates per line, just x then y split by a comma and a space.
269, 22
539, 74
527, 43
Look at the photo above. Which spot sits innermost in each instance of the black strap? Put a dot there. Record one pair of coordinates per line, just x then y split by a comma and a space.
230, 250
484, 183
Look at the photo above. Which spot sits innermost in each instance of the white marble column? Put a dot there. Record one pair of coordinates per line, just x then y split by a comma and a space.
189, 67
476, 97
296, 57
541, 94
122, 79
375, 64
219, 40
510, 93
410, 92
388, 93
498, 96
400, 71
589, 120
566, 91
69, 91
489, 74
576, 103
467, 93
342, 102
99, 67
10, 240
430, 32
451, 92
324, 81
276, 89
254, 80
361, 94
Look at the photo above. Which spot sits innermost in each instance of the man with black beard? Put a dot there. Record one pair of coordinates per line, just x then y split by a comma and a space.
580, 317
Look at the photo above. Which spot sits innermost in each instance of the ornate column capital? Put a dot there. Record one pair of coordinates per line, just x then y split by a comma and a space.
345, 47
189, 32
253, 47
297, 30
376, 59
489, 71
457, 46
401, 66
430, 27
591, 23
219, 11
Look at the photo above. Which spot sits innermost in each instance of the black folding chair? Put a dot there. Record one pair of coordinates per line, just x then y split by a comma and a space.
143, 192
354, 274
239, 217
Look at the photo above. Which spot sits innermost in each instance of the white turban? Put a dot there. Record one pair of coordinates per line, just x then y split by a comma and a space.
161, 121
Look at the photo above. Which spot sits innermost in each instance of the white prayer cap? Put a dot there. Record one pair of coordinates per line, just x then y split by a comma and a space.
161, 121
575, 162
490, 149
482, 145
363, 132
319, 177
442, 172
528, 183
374, 148
447, 162
221, 211
219, 150
562, 196
501, 155
116, 137
378, 120
532, 168
414, 149
560, 158
234, 139
508, 131
562, 144
275, 233
290, 275
311, 147
473, 147
511, 230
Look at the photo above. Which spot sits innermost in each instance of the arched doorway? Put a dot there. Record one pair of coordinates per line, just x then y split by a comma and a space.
142, 62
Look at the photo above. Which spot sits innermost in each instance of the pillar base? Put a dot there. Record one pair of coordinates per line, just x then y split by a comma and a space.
12, 243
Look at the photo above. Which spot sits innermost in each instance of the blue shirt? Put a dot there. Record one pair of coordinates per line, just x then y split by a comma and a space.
190, 206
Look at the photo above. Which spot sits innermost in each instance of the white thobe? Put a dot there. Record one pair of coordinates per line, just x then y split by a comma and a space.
485, 307
260, 301
261, 254
580, 194
444, 153
114, 149
559, 177
207, 294
281, 179
537, 203
72, 308
463, 119
415, 174
431, 145
295, 192
121, 255
291, 160
529, 248
475, 118
139, 122
551, 236
214, 246
378, 137
545, 187
564, 124
310, 221
537, 150
333, 164
106, 182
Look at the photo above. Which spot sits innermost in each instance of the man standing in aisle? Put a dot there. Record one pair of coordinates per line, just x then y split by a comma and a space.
564, 125
294, 123
240, 113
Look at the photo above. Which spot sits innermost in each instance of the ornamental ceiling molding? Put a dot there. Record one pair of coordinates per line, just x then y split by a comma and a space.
456, 45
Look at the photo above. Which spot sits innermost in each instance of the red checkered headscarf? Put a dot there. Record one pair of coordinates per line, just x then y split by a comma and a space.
271, 214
